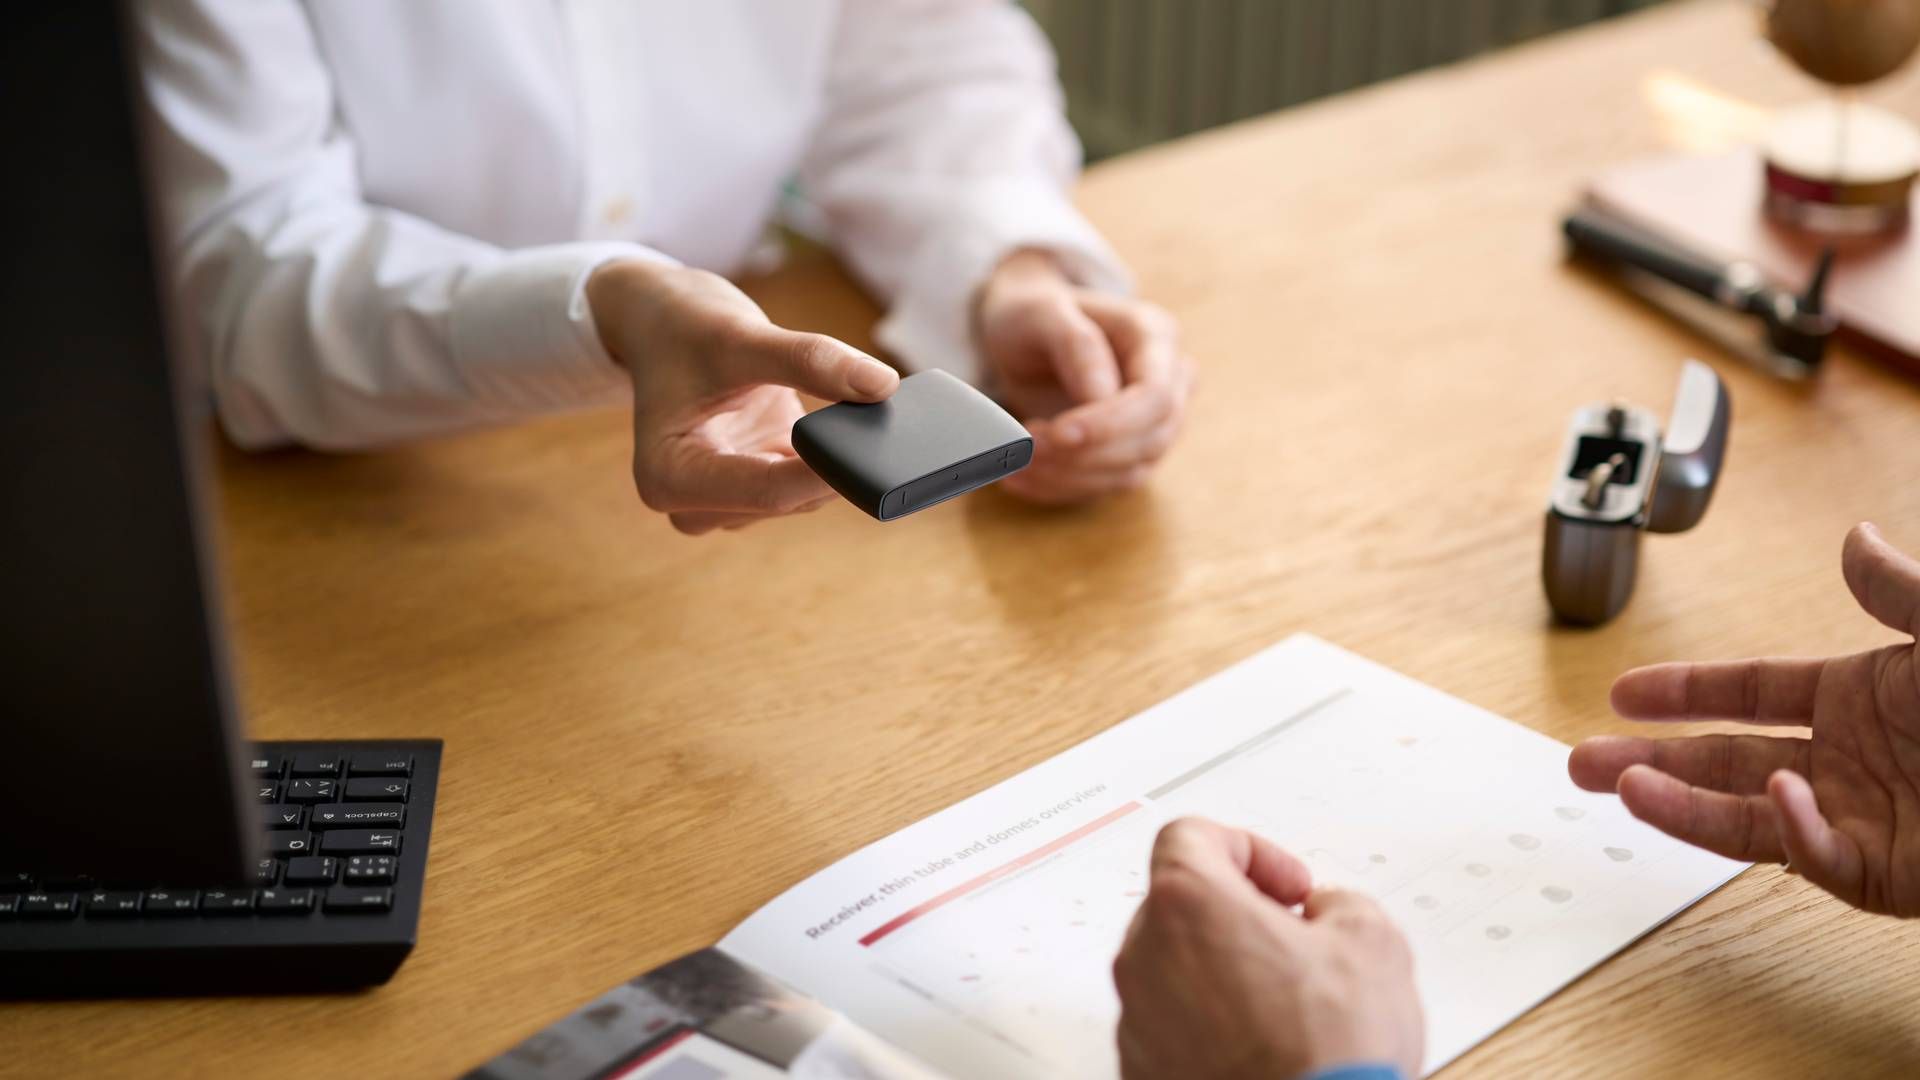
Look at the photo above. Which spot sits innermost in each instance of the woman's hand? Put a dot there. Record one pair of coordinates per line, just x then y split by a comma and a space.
1100, 380
714, 396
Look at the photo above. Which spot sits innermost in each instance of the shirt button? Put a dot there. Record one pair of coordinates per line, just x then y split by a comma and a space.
617, 210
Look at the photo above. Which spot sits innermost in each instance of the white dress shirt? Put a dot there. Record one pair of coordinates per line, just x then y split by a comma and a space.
379, 216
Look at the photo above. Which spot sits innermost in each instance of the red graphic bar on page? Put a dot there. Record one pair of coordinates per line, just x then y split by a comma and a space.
634, 1064
995, 874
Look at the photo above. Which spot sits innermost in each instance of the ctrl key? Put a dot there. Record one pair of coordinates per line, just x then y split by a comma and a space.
344, 899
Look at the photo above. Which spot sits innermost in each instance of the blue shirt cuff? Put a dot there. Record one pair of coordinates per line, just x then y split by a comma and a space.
1363, 1071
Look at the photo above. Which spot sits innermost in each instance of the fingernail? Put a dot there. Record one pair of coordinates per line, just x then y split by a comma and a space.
871, 377
1069, 434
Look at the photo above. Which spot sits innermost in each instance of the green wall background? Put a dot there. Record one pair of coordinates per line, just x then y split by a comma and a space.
1139, 71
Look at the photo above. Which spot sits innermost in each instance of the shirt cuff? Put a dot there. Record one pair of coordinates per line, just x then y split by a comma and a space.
1358, 1071
524, 336
930, 323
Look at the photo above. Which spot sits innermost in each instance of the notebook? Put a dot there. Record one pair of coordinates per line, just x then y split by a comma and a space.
1711, 205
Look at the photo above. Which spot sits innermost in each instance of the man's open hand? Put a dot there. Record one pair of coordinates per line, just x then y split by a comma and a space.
1841, 806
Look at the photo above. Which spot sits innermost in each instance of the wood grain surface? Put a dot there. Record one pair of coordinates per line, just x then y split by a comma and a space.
650, 735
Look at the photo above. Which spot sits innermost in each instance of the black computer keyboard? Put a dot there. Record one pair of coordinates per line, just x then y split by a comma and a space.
334, 905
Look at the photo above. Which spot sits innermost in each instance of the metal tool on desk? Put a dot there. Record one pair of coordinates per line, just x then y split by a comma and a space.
1618, 477
1795, 327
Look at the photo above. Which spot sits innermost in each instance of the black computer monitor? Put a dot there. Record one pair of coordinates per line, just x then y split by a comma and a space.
120, 755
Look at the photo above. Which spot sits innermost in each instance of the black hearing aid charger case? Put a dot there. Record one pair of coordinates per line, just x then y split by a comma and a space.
935, 438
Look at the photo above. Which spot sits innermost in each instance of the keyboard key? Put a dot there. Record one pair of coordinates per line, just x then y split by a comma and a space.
371, 869
382, 763
376, 789
102, 904
358, 900
9, 903
312, 790
266, 791
284, 901
316, 763
39, 905
312, 870
226, 901
289, 843
166, 902
266, 763
361, 842
66, 882
359, 816
283, 816
18, 881
265, 871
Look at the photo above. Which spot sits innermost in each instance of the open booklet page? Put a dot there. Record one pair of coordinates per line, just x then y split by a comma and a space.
980, 939
702, 1017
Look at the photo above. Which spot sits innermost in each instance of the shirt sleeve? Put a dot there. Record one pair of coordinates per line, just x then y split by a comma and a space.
942, 148
315, 316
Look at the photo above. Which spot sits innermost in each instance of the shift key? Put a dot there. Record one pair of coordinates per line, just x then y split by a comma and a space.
358, 816
361, 842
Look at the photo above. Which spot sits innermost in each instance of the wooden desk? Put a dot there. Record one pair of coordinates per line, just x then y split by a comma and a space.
648, 736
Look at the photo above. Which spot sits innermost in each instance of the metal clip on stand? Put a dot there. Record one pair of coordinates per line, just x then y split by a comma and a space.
1796, 327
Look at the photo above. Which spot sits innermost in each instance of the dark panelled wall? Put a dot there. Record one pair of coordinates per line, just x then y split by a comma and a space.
1139, 71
